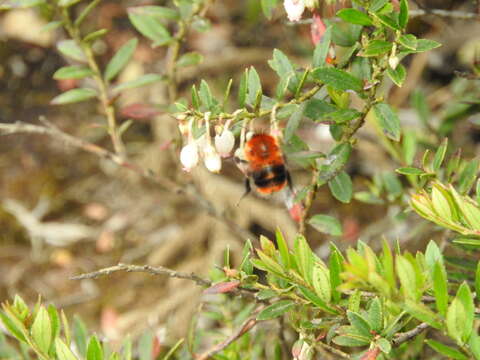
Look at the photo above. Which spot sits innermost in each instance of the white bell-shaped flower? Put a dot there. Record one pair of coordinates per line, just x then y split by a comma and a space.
224, 142
212, 159
294, 9
189, 156
393, 61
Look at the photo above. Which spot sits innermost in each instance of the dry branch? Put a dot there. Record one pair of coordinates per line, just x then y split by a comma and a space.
157, 270
403, 337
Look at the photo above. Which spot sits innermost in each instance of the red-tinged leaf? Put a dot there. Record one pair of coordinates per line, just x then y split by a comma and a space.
317, 29
222, 288
371, 354
139, 111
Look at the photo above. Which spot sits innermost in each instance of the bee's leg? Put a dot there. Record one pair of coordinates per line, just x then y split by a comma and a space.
248, 189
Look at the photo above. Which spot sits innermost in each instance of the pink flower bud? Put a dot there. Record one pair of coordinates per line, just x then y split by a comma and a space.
294, 9
212, 160
224, 142
189, 156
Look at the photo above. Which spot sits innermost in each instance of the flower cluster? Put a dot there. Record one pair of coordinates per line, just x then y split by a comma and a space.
203, 147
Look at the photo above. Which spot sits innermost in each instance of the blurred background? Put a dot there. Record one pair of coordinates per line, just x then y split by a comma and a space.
65, 212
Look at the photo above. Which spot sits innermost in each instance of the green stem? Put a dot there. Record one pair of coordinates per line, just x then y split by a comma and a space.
105, 100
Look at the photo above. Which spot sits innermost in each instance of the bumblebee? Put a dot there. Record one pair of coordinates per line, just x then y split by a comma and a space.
263, 163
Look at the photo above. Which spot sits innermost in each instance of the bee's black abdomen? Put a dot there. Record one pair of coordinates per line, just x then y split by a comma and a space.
270, 176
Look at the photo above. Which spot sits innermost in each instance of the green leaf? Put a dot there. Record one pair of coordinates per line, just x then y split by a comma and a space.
474, 345
72, 72
441, 204
267, 7
94, 349
423, 313
321, 49
354, 301
52, 25
95, 35
80, 336
335, 266
242, 89
398, 75
341, 187
73, 96
409, 145
326, 224
375, 315
316, 109
206, 96
351, 340
293, 123
426, 45
403, 16
321, 282
389, 21
161, 12
145, 346
284, 69
468, 176
275, 310
266, 263
283, 249
354, 16
406, 274
54, 321
304, 258
70, 49
377, 47
189, 59
138, 82
337, 79
456, 319
42, 330
67, 3
342, 116
254, 87
410, 171
388, 120
120, 59
440, 288
337, 158
477, 281
316, 300
446, 350
149, 25
359, 323
63, 351
345, 34
384, 345
14, 326
465, 296
408, 41
440, 155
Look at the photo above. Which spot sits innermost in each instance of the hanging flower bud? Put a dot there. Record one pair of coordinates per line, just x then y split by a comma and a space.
294, 9
189, 156
212, 160
311, 4
224, 142
393, 62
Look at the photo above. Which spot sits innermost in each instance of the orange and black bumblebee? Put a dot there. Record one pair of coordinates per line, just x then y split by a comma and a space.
263, 163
